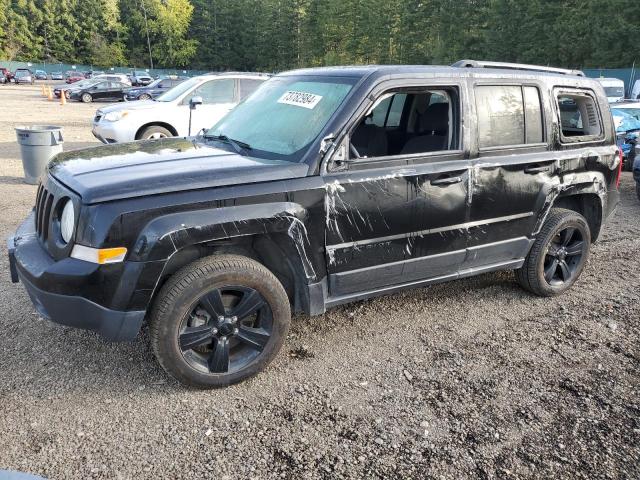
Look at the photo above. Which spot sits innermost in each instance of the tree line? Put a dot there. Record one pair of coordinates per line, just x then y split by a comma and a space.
274, 35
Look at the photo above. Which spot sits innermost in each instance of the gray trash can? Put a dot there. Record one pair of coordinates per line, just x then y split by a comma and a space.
38, 144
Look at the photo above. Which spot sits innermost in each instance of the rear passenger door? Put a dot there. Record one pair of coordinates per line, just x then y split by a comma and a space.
514, 173
396, 213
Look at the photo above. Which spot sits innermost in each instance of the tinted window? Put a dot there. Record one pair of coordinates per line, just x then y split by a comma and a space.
395, 110
508, 115
164, 84
388, 112
379, 113
216, 91
533, 115
248, 86
500, 115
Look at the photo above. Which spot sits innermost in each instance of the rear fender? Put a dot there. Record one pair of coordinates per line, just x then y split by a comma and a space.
582, 183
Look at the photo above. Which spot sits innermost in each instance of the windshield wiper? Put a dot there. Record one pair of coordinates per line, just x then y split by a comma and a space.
238, 145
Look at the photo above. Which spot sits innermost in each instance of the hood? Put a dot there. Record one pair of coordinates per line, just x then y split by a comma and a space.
135, 105
136, 169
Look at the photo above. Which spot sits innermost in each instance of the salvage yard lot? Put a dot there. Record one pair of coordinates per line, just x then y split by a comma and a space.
469, 379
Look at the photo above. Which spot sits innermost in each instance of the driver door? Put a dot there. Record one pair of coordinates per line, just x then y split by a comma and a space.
218, 98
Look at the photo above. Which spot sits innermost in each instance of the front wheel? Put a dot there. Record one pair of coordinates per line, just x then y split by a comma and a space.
558, 255
144, 96
155, 132
219, 321
87, 98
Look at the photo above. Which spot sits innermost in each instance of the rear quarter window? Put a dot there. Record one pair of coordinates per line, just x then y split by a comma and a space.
579, 116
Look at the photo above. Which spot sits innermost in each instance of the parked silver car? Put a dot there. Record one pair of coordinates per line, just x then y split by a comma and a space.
172, 113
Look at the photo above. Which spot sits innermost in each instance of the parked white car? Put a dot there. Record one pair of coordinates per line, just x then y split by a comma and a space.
169, 114
613, 88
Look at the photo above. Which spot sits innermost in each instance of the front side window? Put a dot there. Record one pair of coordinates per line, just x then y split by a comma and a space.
284, 115
407, 122
508, 115
579, 117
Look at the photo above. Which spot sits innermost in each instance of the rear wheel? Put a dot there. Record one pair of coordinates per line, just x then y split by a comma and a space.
86, 97
144, 96
638, 190
219, 320
558, 255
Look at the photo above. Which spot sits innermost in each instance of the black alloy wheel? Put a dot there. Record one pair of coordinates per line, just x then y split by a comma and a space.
219, 321
226, 330
558, 255
564, 256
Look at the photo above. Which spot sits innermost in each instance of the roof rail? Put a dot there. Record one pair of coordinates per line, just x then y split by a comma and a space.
516, 66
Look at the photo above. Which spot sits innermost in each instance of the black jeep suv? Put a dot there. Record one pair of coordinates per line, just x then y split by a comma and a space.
326, 186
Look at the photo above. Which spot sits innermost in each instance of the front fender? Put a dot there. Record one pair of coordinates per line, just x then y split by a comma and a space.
167, 234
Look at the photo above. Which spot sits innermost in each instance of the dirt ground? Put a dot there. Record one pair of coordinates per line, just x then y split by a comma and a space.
473, 379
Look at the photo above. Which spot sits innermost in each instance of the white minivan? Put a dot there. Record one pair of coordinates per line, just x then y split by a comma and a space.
613, 88
173, 113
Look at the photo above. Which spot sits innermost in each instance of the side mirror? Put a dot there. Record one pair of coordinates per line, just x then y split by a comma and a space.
194, 102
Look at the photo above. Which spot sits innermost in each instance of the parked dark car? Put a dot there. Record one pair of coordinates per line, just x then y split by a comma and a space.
23, 75
154, 89
324, 187
57, 76
76, 86
41, 75
106, 90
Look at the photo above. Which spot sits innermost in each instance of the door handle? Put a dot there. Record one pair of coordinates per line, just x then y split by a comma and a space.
537, 169
446, 181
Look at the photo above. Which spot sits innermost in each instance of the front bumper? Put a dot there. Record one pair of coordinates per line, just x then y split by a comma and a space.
45, 281
114, 132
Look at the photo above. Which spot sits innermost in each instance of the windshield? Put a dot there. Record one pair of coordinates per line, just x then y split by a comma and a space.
624, 122
285, 114
22, 73
175, 92
614, 91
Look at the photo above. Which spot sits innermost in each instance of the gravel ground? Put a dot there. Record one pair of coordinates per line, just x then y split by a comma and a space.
470, 379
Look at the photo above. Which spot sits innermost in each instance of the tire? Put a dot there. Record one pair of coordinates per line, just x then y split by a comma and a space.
155, 132
192, 321
638, 190
86, 98
144, 96
557, 256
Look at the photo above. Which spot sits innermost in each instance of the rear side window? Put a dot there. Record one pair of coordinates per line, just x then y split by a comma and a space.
579, 117
508, 115
248, 86
216, 91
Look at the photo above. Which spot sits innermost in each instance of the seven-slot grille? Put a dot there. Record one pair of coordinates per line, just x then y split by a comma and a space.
44, 204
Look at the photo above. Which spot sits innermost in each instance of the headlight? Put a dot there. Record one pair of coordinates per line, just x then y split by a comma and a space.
67, 221
115, 116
